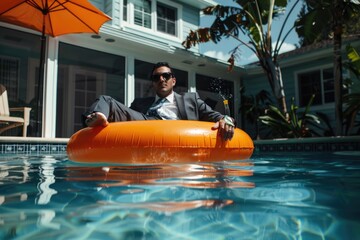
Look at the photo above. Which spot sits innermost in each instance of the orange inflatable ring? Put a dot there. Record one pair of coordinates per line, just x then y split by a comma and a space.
157, 142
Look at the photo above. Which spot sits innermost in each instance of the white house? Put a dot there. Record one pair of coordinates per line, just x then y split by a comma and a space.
305, 71
116, 62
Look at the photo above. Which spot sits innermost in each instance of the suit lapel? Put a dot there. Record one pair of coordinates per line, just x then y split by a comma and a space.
147, 104
181, 106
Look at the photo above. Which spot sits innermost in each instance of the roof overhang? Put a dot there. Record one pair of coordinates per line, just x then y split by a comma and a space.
305, 54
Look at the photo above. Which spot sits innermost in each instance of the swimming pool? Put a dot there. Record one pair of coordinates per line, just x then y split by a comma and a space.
277, 196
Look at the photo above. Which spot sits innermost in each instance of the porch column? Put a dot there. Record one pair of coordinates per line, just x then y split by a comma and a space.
50, 89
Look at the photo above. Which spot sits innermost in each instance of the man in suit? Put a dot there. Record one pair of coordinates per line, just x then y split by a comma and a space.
166, 105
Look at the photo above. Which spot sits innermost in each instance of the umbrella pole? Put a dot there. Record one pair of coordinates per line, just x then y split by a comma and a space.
38, 128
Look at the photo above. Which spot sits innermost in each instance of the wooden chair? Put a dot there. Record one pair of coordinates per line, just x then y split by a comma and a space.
8, 122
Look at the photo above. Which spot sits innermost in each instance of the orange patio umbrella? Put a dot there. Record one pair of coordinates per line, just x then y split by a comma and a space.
54, 18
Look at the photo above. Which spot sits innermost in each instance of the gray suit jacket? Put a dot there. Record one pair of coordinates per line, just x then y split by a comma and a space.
190, 106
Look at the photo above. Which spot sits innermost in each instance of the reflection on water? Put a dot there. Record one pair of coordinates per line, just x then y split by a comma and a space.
201, 176
168, 207
263, 198
45, 186
47, 177
185, 175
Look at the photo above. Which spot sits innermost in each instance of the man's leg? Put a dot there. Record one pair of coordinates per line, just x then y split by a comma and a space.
106, 109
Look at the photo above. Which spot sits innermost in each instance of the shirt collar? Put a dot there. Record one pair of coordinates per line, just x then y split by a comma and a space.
170, 97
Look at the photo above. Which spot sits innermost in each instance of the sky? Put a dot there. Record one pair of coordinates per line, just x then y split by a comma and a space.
222, 49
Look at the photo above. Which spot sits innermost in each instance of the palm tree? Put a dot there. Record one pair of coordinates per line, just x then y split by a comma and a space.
250, 24
317, 17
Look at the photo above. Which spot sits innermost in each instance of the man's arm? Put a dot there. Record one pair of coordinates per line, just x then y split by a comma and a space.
142, 104
224, 124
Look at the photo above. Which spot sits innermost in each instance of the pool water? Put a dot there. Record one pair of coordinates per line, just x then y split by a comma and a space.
284, 196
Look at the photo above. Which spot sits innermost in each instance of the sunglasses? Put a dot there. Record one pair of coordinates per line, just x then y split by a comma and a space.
164, 75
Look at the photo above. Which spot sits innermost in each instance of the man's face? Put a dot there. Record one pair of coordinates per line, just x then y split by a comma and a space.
163, 81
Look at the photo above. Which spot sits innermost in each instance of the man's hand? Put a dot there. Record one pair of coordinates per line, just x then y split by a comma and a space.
226, 129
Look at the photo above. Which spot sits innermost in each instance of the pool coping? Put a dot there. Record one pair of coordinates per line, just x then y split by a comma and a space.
41, 146
319, 144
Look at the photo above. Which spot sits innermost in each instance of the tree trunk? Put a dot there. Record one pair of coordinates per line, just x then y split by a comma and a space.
273, 73
338, 79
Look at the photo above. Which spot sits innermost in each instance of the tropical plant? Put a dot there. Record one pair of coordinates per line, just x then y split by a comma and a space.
352, 102
354, 61
326, 127
294, 127
352, 99
314, 23
251, 25
318, 16
252, 107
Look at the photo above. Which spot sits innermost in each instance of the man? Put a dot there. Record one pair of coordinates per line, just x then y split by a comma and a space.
166, 105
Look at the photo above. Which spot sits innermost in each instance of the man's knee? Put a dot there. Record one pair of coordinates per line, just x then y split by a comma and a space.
105, 98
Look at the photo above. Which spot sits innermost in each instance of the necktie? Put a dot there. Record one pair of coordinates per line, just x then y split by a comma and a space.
153, 110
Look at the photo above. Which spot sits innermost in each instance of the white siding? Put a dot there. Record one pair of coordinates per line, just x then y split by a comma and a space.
191, 21
105, 5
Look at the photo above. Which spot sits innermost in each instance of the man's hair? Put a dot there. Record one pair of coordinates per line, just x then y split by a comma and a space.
161, 64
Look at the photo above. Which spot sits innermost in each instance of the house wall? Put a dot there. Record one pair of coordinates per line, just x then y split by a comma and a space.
92, 57
106, 6
255, 80
191, 19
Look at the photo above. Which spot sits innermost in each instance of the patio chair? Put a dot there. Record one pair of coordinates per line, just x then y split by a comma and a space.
6, 121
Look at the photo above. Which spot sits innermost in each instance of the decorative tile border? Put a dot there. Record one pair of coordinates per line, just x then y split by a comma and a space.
319, 147
32, 149
334, 144
40, 146
32, 146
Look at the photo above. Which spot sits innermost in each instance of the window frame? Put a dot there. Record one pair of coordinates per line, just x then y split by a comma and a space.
166, 19
130, 22
322, 85
144, 15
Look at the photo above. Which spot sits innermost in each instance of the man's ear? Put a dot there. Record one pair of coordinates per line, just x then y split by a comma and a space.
174, 82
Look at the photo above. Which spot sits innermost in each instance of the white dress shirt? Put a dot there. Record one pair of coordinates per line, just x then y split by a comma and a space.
169, 110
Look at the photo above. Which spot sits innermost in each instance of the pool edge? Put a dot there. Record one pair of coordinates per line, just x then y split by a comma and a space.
41, 146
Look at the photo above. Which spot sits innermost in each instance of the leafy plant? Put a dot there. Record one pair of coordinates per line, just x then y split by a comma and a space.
352, 103
254, 106
250, 23
331, 17
352, 100
326, 128
296, 126
354, 61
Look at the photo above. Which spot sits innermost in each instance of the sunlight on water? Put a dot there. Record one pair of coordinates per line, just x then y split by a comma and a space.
272, 197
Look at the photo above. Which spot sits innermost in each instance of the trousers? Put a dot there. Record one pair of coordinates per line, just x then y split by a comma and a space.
114, 110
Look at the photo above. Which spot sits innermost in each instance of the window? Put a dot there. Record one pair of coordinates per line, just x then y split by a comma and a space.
319, 82
142, 13
88, 85
309, 84
328, 82
9, 76
19, 64
166, 19
125, 8
81, 79
154, 15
